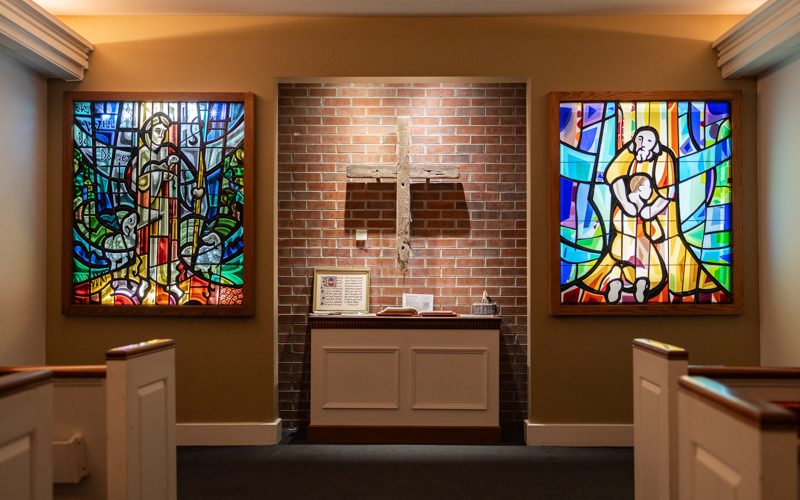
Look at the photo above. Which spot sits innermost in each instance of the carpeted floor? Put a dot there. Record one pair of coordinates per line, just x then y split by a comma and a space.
297, 470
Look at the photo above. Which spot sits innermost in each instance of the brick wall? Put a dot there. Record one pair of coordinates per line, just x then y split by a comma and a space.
466, 236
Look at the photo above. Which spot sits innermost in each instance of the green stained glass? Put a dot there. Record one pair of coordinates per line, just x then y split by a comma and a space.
591, 243
583, 269
721, 196
695, 236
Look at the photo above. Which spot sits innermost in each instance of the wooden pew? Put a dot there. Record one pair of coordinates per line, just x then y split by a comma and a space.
656, 370
26, 429
657, 367
732, 444
115, 425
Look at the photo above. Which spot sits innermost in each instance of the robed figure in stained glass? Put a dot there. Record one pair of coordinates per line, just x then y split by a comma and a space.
642, 179
645, 195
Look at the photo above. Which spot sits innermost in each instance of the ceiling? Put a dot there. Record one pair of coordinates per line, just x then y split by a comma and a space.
400, 7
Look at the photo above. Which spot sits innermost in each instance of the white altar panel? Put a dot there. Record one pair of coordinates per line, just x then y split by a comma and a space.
444, 377
360, 378
450, 379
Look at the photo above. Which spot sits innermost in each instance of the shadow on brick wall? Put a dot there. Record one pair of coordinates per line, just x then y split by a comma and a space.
438, 209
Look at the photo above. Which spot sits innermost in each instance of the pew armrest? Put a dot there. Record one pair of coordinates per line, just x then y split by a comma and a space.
69, 460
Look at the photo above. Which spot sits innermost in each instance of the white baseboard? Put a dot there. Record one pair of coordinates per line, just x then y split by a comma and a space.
228, 434
578, 434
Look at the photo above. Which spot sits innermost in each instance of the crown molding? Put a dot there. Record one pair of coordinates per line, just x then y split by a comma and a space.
37, 39
761, 40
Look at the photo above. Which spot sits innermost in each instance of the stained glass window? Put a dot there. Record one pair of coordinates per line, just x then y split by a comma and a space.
158, 194
645, 202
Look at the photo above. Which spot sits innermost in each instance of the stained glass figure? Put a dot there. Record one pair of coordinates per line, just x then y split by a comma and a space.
157, 203
645, 202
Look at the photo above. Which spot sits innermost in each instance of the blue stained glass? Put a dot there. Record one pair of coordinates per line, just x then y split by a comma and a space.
85, 123
589, 138
592, 113
611, 109
719, 218
717, 255
693, 220
566, 198
602, 200
567, 272
107, 138
83, 108
575, 255
566, 115
608, 145
236, 244
236, 111
683, 108
704, 160
576, 165
696, 125
587, 220
109, 220
716, 111
686, 144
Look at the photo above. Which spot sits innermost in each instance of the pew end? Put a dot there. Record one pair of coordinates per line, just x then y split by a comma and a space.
113, 435
79, 429
26, 452
734, 445
656, 369
140, 407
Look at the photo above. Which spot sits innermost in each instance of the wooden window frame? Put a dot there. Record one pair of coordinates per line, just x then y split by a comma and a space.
556, 307
247, 306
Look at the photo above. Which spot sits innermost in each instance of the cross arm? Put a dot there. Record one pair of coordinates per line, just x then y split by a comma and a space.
416, 171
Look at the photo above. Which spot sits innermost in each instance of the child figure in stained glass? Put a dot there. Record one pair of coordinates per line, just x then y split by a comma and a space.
646, 251
634, 251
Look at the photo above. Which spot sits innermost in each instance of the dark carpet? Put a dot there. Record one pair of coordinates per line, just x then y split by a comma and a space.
297, 470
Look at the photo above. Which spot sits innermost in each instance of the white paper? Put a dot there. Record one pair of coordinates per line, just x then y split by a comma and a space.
420, 302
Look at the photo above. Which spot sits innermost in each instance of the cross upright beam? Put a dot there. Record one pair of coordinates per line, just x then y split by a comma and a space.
403, 171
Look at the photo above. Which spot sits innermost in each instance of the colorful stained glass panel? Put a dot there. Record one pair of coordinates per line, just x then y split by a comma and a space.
158, 202
645, 202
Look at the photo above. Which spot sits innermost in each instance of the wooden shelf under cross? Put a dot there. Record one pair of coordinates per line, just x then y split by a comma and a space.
404, 171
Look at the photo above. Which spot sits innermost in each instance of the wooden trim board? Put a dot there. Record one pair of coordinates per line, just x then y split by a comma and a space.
588, 435
228, 433
354, 434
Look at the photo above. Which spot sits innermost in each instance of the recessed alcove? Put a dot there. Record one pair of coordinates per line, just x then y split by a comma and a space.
467, 235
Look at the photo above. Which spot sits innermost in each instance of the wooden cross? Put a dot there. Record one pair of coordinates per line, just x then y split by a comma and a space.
403, 171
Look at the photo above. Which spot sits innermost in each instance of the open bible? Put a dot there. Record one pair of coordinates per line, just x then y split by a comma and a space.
410, 311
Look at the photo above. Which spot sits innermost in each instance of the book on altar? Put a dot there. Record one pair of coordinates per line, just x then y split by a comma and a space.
398, 311
438, 314
410, 311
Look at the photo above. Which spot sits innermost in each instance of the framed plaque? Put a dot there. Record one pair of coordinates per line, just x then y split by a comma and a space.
341, 290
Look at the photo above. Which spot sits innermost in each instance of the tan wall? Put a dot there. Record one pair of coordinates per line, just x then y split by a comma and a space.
778, 155
579, 367
23, 165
